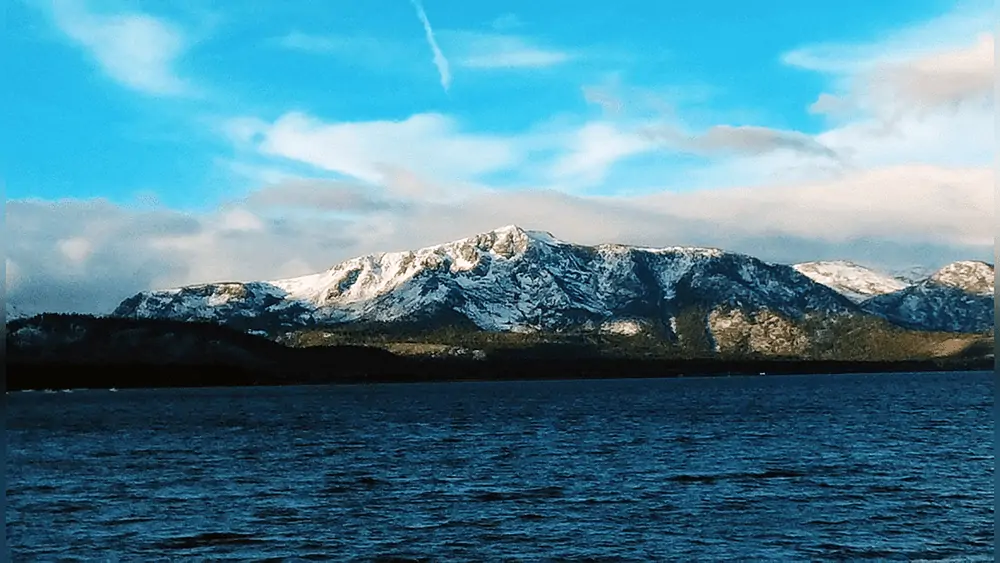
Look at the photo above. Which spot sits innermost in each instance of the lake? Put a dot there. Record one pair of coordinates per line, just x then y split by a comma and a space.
822, 467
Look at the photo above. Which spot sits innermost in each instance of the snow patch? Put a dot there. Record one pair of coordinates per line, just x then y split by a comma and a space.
622, 327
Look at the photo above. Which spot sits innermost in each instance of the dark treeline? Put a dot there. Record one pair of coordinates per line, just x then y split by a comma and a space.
75, 351
65, 375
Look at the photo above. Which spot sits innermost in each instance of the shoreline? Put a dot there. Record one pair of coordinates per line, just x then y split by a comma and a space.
43, 375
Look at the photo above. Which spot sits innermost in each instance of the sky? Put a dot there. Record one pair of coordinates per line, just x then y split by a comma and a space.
156, 144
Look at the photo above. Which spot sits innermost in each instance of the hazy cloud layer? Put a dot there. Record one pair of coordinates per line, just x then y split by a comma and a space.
317, 195
739, 140
87, 256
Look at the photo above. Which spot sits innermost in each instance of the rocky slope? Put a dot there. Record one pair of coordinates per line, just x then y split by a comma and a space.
956, 298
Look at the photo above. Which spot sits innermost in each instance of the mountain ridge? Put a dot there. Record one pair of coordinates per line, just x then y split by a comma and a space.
517, 280
510, 279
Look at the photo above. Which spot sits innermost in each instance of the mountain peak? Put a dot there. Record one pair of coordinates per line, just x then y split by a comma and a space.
851, 280
520, 232
509, 229
972, 276
506, 241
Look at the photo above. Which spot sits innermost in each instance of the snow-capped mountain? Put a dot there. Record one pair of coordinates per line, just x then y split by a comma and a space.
956, 298
851, 280
515, 280
510, 279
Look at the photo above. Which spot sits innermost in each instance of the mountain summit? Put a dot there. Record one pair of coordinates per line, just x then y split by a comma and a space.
855, 282
970, 276
956, 298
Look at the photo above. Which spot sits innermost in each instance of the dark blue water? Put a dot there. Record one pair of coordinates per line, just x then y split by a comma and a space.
765, 468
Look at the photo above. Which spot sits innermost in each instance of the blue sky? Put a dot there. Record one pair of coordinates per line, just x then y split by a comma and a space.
201, 109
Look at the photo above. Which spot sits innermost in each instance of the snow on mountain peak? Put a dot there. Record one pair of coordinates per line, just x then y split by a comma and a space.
366, 277
971, 276
851, 280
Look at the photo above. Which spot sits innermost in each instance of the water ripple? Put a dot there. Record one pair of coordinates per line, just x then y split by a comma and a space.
891, 467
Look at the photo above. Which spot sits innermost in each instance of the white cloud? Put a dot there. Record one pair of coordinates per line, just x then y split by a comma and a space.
439, 59
942, 65
594, 149
947, 32
947, 78
497, 51
739, 140
427, 145
243, 131
76, 249
428, 155
137, 50
917, 204
952, 137
506, 21
359, 51
239, 220
921, 96
607, 101
339, 44
829, 104
468, 49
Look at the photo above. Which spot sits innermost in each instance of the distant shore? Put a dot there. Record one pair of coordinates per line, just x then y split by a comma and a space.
65, 375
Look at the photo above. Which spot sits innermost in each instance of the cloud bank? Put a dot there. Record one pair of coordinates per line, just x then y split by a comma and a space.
88, 255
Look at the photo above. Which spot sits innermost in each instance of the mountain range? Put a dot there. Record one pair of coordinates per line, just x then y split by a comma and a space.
512, 280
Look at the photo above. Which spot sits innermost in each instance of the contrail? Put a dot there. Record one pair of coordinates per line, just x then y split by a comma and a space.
439, 61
